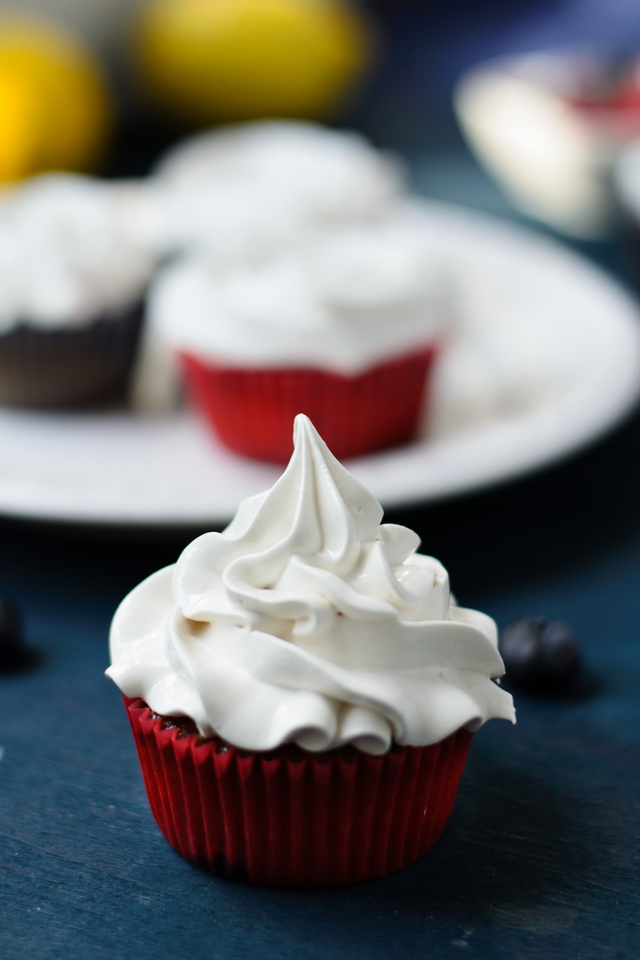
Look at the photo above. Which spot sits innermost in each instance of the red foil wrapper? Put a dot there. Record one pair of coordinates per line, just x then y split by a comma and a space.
252, 411
289, 818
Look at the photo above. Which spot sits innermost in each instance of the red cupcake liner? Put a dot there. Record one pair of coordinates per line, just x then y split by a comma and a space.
288, 818
252, 410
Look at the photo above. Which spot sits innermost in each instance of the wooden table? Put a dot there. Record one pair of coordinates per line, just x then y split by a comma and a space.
541, 855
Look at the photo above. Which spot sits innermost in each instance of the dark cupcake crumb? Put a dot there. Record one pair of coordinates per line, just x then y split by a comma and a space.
185, 727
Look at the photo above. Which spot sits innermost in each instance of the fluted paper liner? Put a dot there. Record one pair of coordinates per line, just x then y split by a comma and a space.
69, 366
252, 411
290, 818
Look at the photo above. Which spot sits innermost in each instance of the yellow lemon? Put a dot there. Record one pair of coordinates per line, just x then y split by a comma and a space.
55, 111
212, 60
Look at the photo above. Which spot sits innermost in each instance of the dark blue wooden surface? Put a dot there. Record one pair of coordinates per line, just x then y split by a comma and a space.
540, 858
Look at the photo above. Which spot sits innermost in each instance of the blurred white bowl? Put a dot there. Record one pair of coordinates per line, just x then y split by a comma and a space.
627, 180
549, 126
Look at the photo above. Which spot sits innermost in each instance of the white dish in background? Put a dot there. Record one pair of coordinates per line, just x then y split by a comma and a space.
544, 356
627, 179
554, 160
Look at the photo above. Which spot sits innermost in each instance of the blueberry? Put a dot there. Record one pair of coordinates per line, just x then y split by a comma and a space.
13, 653
539, 655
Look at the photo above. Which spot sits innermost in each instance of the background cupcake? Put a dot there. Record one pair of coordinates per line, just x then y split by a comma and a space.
342, 326
249, 189
305, 623
71, 288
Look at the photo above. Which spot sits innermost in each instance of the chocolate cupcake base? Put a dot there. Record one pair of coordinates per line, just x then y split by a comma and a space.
69, 367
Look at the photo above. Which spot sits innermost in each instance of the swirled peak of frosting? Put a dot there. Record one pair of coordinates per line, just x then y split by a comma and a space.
251, 188
307, 620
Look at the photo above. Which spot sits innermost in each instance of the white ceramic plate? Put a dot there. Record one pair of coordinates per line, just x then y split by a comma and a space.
543, 357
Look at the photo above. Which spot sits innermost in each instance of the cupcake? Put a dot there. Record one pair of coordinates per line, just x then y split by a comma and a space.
251, 189
71, 288
342, 326
301, 688
248, 192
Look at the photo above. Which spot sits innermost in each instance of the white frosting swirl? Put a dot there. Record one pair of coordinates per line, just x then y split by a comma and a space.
251, 189
308, 621
65, 251
342, 299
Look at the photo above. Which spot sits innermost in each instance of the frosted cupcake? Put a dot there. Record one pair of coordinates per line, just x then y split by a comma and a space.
251, 189
71, 287
342, 327
301, 688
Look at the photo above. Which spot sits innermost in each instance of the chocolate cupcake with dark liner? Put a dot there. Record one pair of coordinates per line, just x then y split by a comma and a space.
71, 289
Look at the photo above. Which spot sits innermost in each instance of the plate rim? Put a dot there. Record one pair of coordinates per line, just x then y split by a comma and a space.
547, 446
